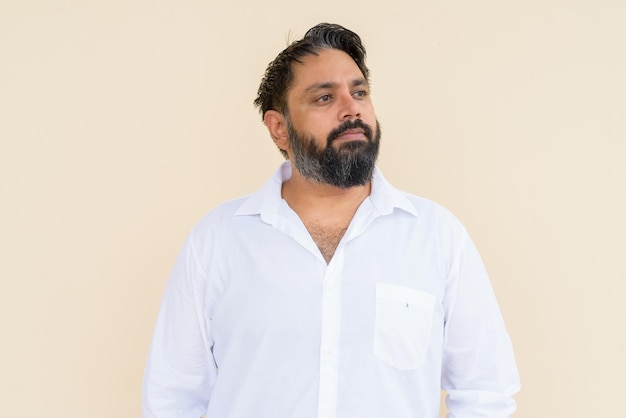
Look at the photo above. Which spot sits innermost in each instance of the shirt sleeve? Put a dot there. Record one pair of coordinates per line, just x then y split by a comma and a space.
479, 372
180, 369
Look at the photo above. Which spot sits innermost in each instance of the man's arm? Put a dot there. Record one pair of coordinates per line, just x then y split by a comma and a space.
479, 370
180, 370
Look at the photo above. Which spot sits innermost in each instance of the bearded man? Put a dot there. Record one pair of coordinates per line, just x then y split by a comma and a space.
328, 293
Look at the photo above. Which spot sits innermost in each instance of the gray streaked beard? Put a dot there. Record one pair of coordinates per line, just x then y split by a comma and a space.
351, 164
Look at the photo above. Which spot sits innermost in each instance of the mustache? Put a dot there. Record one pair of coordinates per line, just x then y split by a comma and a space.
350, 124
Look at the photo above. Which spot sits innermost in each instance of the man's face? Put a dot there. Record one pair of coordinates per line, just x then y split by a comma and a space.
333, 133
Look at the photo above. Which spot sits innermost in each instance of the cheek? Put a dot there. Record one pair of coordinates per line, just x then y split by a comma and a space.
318, 126
368, 114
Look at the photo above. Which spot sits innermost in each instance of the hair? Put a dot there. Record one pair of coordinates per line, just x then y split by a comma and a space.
272, 93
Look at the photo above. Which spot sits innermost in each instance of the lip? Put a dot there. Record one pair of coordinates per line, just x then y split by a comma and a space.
352, 135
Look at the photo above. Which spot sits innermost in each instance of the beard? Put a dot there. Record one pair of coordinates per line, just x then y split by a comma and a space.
347, 165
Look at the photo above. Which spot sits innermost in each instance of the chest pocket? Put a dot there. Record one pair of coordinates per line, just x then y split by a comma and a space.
404, 318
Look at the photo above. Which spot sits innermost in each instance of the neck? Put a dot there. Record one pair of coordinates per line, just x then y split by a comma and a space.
311, 199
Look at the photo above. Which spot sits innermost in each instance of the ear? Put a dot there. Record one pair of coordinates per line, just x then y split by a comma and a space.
277, 126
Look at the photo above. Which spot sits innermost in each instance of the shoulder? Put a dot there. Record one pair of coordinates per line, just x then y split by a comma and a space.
219, 216
387, 198
435, 220
424, 209
427, 208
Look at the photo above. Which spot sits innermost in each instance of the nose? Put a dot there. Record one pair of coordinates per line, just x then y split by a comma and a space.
349, 107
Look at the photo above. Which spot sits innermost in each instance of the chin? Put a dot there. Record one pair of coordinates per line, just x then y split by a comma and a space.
356, 144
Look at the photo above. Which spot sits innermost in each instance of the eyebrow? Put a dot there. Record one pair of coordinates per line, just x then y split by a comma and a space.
331, 85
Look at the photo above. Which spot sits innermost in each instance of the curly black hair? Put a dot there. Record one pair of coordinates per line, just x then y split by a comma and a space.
272, 93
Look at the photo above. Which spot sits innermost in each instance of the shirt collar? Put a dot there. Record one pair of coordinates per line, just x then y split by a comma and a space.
267, 200
385, 198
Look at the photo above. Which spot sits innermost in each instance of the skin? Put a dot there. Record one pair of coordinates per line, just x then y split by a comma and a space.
327, 89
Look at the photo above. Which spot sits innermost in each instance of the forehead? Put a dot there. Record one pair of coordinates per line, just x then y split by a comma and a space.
328, 66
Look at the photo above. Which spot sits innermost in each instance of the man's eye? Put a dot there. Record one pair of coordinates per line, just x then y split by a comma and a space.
324, 98
360, 93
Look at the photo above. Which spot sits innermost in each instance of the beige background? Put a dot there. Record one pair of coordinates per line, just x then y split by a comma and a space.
122, 122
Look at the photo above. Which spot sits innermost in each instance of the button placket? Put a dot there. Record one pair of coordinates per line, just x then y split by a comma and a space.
329, 347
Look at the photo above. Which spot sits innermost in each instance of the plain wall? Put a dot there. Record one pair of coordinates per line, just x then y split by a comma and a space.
123, 122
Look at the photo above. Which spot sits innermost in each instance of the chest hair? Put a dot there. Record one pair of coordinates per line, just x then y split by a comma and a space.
327, 238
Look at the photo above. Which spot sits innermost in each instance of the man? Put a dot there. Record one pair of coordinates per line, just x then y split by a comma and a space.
328, 293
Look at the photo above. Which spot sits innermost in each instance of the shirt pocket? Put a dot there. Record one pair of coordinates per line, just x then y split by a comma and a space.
404, 318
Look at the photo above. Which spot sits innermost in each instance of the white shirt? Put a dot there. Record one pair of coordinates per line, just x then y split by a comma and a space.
255, 324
